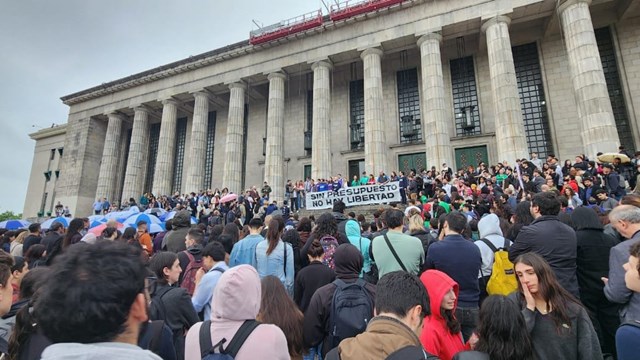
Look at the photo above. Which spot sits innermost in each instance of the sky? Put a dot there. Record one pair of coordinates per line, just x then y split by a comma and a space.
49, 49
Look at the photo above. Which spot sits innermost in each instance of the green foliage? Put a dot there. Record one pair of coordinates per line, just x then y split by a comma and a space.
9, 215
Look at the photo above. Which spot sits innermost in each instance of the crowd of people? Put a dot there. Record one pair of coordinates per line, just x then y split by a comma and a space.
530, 261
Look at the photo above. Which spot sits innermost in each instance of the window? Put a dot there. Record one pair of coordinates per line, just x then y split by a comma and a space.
356, 107
245, 131
47, 176
57, 172
465, 96
181, 137
356, 167
154, 139
60, 150
409, 106
124, 165
208, 160
308, 133
306, 172
532, 99
610, 67
44, 203
53, 154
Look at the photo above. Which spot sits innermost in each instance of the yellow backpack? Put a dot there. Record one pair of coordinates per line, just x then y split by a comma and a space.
503, 279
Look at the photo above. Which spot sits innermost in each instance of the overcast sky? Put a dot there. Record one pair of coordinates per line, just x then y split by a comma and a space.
49, 49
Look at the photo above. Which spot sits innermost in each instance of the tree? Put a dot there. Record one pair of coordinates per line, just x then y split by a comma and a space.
9, 215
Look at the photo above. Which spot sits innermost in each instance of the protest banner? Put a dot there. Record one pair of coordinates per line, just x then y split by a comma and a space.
353, 196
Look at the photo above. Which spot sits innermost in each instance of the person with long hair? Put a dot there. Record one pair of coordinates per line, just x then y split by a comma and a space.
170, 303
35, 256
502, 332
277, 308
560, 327
73, 234
304, 230
275, 257
326, 226
592, 263
417, 229
441, 331
233, 231
521, 217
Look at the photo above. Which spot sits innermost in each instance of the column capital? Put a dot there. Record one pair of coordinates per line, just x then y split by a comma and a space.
565, 4
322, 63
238, 85
277, 75
371, 51
142, 108
171, 101
434, 36
496, 20
201, 93
115, 115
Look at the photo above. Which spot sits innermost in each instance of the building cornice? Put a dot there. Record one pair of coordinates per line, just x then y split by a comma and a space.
49, 132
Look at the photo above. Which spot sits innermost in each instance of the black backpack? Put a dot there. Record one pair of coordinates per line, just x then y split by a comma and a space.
408, 352
351, 310
209, 351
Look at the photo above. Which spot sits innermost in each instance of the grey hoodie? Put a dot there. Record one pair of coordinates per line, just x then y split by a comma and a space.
489, 228
97, 351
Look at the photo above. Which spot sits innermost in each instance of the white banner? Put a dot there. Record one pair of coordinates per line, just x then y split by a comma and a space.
352, 196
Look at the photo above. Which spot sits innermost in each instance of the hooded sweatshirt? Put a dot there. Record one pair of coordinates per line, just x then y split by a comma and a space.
436, 337
348, 262
236, 298
97, 351
489, 228
352, 228
174, 240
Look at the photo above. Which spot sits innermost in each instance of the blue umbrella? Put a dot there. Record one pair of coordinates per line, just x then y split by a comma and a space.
134, 219
47, 224
171, 214
95, 223
156, 211
152, 228
100, 218
14, 224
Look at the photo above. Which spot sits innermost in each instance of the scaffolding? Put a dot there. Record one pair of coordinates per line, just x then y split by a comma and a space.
350, 8
285, 28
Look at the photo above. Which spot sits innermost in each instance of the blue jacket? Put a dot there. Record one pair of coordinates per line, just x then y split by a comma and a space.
273, 264
244, 251
204, 292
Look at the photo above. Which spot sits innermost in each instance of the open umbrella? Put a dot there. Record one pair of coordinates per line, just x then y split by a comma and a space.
95, 223
63, 220
100, 218
97, 231
135, 219
228, 198
156, 211
14, 224
153, 228
171, 214
609, 157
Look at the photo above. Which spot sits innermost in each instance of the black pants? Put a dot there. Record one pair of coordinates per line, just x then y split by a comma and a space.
468, 318
605, 318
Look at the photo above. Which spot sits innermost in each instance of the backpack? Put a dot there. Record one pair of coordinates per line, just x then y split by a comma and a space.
189, 276
157, 310
329, 245
351, 310
503, 276
208, 351
409, 352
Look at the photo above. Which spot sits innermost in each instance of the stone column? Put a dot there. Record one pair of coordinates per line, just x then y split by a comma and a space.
137, 162
592, 97
435, 116
163, 176
510, 134
198, 144
232, 175
110, 156
274, 159
321, 131
375, 143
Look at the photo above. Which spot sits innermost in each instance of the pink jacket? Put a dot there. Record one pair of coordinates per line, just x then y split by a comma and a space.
236, 298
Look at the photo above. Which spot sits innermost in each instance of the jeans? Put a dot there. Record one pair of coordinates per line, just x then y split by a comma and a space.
468, 318
313, 352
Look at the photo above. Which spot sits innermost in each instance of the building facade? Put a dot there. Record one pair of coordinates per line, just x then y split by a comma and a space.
398, 85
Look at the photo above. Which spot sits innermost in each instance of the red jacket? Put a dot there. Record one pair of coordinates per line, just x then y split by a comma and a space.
436, 337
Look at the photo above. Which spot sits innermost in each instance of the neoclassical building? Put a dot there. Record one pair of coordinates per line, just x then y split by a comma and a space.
375, 85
